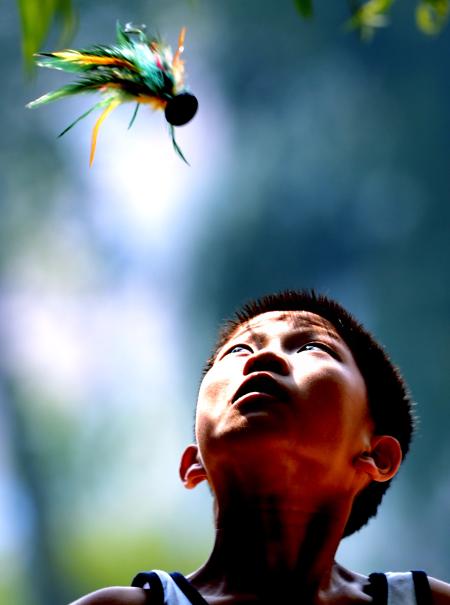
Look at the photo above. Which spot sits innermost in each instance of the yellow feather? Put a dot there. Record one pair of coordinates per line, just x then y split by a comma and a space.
178, 63
77, 57
67, 55
98, 123
154, 102
180, 48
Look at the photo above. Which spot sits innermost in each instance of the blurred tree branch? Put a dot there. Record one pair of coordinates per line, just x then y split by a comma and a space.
41, 569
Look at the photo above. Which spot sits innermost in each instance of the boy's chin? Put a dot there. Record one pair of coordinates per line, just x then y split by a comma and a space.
260, 445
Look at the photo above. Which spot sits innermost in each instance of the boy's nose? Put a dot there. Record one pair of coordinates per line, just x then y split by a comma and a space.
267, 361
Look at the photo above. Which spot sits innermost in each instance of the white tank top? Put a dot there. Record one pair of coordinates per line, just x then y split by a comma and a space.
401, 590
406, 588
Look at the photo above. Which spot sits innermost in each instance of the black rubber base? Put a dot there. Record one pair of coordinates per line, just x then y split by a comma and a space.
181, 109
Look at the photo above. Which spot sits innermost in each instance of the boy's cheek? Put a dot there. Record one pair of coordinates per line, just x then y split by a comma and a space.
210, 406
324, 389
330, 383
214, 392
208, 429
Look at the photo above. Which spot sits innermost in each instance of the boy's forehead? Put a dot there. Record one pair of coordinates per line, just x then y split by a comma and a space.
272, 321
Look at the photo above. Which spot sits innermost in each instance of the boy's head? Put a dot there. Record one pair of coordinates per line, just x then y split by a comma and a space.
388, 401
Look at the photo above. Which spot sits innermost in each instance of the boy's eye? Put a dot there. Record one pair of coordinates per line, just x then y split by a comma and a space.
239, 349
317, 346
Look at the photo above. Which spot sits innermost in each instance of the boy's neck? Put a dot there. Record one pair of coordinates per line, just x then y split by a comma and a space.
271, 544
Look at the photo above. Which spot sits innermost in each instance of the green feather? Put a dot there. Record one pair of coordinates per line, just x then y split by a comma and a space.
52, 61
91, 83
136, 109
143, 69
86, 113
59, 93
175, 144
121, 35
148, 72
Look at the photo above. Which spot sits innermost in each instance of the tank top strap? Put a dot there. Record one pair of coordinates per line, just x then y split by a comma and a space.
408, 588
378, 588
150, 580
422, 587
186, 587
168, 589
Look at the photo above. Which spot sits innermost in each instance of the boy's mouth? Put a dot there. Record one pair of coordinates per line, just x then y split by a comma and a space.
262, 383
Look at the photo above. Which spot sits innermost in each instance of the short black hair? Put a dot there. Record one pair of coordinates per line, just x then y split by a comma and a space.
388, 397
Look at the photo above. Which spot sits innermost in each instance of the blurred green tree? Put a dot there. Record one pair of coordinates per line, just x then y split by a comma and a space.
38, 16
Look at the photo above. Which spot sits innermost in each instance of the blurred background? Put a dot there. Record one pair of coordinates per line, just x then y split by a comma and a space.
316, 161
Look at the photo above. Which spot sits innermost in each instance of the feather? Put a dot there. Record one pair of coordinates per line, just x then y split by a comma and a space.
136, 109
175, 144
74, 60
86, 113
98, 123
137, 68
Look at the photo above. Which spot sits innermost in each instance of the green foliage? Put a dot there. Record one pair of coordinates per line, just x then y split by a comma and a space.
88, 567
432, 15
304, 7
369, 16
37, 17
12, 590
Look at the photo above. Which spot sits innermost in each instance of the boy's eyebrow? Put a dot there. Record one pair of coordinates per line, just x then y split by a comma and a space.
247, 334
299, 322
307, 331
258, 338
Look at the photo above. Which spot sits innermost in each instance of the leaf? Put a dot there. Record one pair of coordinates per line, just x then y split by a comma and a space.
304, 7
432, 16
369, 16
37, 17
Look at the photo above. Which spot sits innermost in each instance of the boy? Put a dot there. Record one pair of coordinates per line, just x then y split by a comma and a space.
302, 421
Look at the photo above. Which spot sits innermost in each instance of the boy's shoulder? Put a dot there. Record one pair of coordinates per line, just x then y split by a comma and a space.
116, 595
440, 591
120, 595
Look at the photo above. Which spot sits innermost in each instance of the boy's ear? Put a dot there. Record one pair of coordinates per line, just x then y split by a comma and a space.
192, 471
383, 460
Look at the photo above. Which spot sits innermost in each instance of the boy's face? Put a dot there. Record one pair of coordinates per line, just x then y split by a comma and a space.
283, 382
